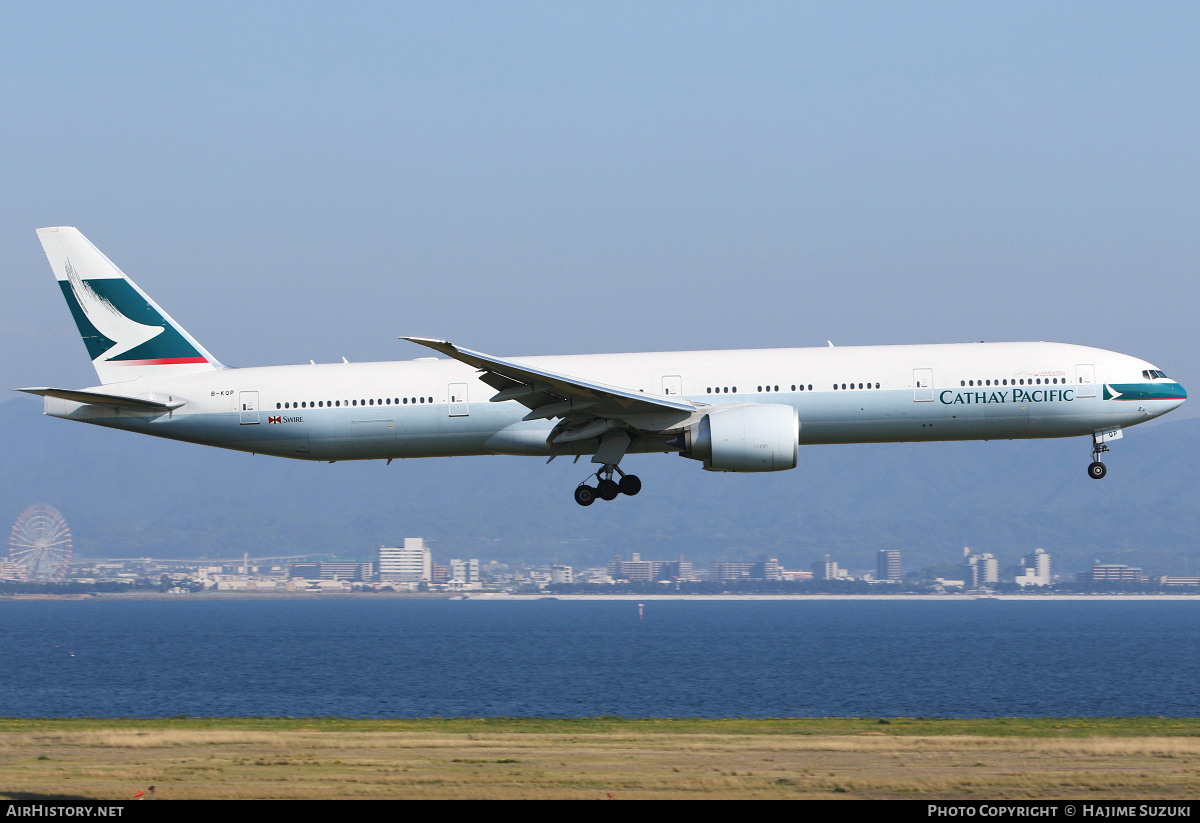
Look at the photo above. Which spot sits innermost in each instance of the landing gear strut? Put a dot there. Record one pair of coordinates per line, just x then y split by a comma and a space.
1097, 470
606, 488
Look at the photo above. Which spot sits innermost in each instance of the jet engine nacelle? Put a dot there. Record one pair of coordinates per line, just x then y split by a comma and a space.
751, 438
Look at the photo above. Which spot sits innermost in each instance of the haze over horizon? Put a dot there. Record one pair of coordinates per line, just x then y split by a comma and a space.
312, 183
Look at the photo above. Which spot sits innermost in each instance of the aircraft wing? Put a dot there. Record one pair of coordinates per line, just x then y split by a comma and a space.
102, 399
550, 394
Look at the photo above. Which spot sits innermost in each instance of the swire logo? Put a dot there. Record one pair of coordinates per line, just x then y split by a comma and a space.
274, 419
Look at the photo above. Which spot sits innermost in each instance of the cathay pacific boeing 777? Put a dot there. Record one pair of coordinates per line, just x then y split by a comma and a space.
732, 411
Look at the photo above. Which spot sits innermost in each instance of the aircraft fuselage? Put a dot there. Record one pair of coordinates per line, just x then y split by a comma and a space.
869, 394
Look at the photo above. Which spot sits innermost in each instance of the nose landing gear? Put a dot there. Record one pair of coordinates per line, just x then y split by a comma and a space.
606, 488
1097, 470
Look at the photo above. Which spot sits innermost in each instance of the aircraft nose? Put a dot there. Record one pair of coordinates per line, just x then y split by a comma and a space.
1176, 398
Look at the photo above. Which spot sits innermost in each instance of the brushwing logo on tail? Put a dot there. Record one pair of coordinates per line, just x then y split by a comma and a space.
120, 327
125, 334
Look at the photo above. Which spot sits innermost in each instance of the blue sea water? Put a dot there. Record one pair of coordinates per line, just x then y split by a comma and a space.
396, 657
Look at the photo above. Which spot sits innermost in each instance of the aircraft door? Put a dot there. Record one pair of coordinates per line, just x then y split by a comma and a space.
922, 385
672, 385
1085, 380
459, 407
248, 403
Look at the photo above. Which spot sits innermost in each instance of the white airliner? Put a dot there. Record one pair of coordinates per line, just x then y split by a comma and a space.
733, 411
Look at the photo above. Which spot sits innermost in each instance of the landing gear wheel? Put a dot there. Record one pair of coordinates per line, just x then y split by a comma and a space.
585, 495
1096, 469
607, 489
630, 485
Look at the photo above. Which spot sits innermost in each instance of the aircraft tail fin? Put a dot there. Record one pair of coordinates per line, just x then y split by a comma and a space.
127, 335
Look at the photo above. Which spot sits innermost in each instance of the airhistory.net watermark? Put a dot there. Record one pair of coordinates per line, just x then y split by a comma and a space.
44, 810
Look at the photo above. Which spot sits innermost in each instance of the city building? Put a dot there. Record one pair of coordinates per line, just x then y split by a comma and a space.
766, 570
980, 569
758, 570
1037, 569
677, 570
827, 569
464, 571
9, 570
887, 565
560, 574
408, 564
594, 575
726, 570
1101, 572
355, 571
637, 570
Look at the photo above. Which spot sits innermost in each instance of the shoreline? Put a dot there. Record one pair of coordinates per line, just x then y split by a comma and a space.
504, 597
864, 597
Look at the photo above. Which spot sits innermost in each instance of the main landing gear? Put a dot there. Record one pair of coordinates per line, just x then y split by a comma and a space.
606, 488
1097, 470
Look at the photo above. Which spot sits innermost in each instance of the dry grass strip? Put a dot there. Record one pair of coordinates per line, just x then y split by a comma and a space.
114, 761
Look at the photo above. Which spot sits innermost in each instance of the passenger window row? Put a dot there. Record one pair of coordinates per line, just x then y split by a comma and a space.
761, 389
1048, 381
795, 387
329, 404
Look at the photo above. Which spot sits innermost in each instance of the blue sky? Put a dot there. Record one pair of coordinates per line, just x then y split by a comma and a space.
303, 181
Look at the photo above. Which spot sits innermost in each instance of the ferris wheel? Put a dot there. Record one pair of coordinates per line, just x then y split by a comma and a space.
40, 544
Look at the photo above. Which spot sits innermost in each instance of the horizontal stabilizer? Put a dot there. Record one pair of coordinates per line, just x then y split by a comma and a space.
101, 399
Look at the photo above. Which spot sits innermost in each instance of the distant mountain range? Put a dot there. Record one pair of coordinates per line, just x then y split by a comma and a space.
125, 495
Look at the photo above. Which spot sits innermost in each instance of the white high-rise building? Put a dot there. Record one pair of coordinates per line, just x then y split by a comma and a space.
980, 569
1037, 569
410, 564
